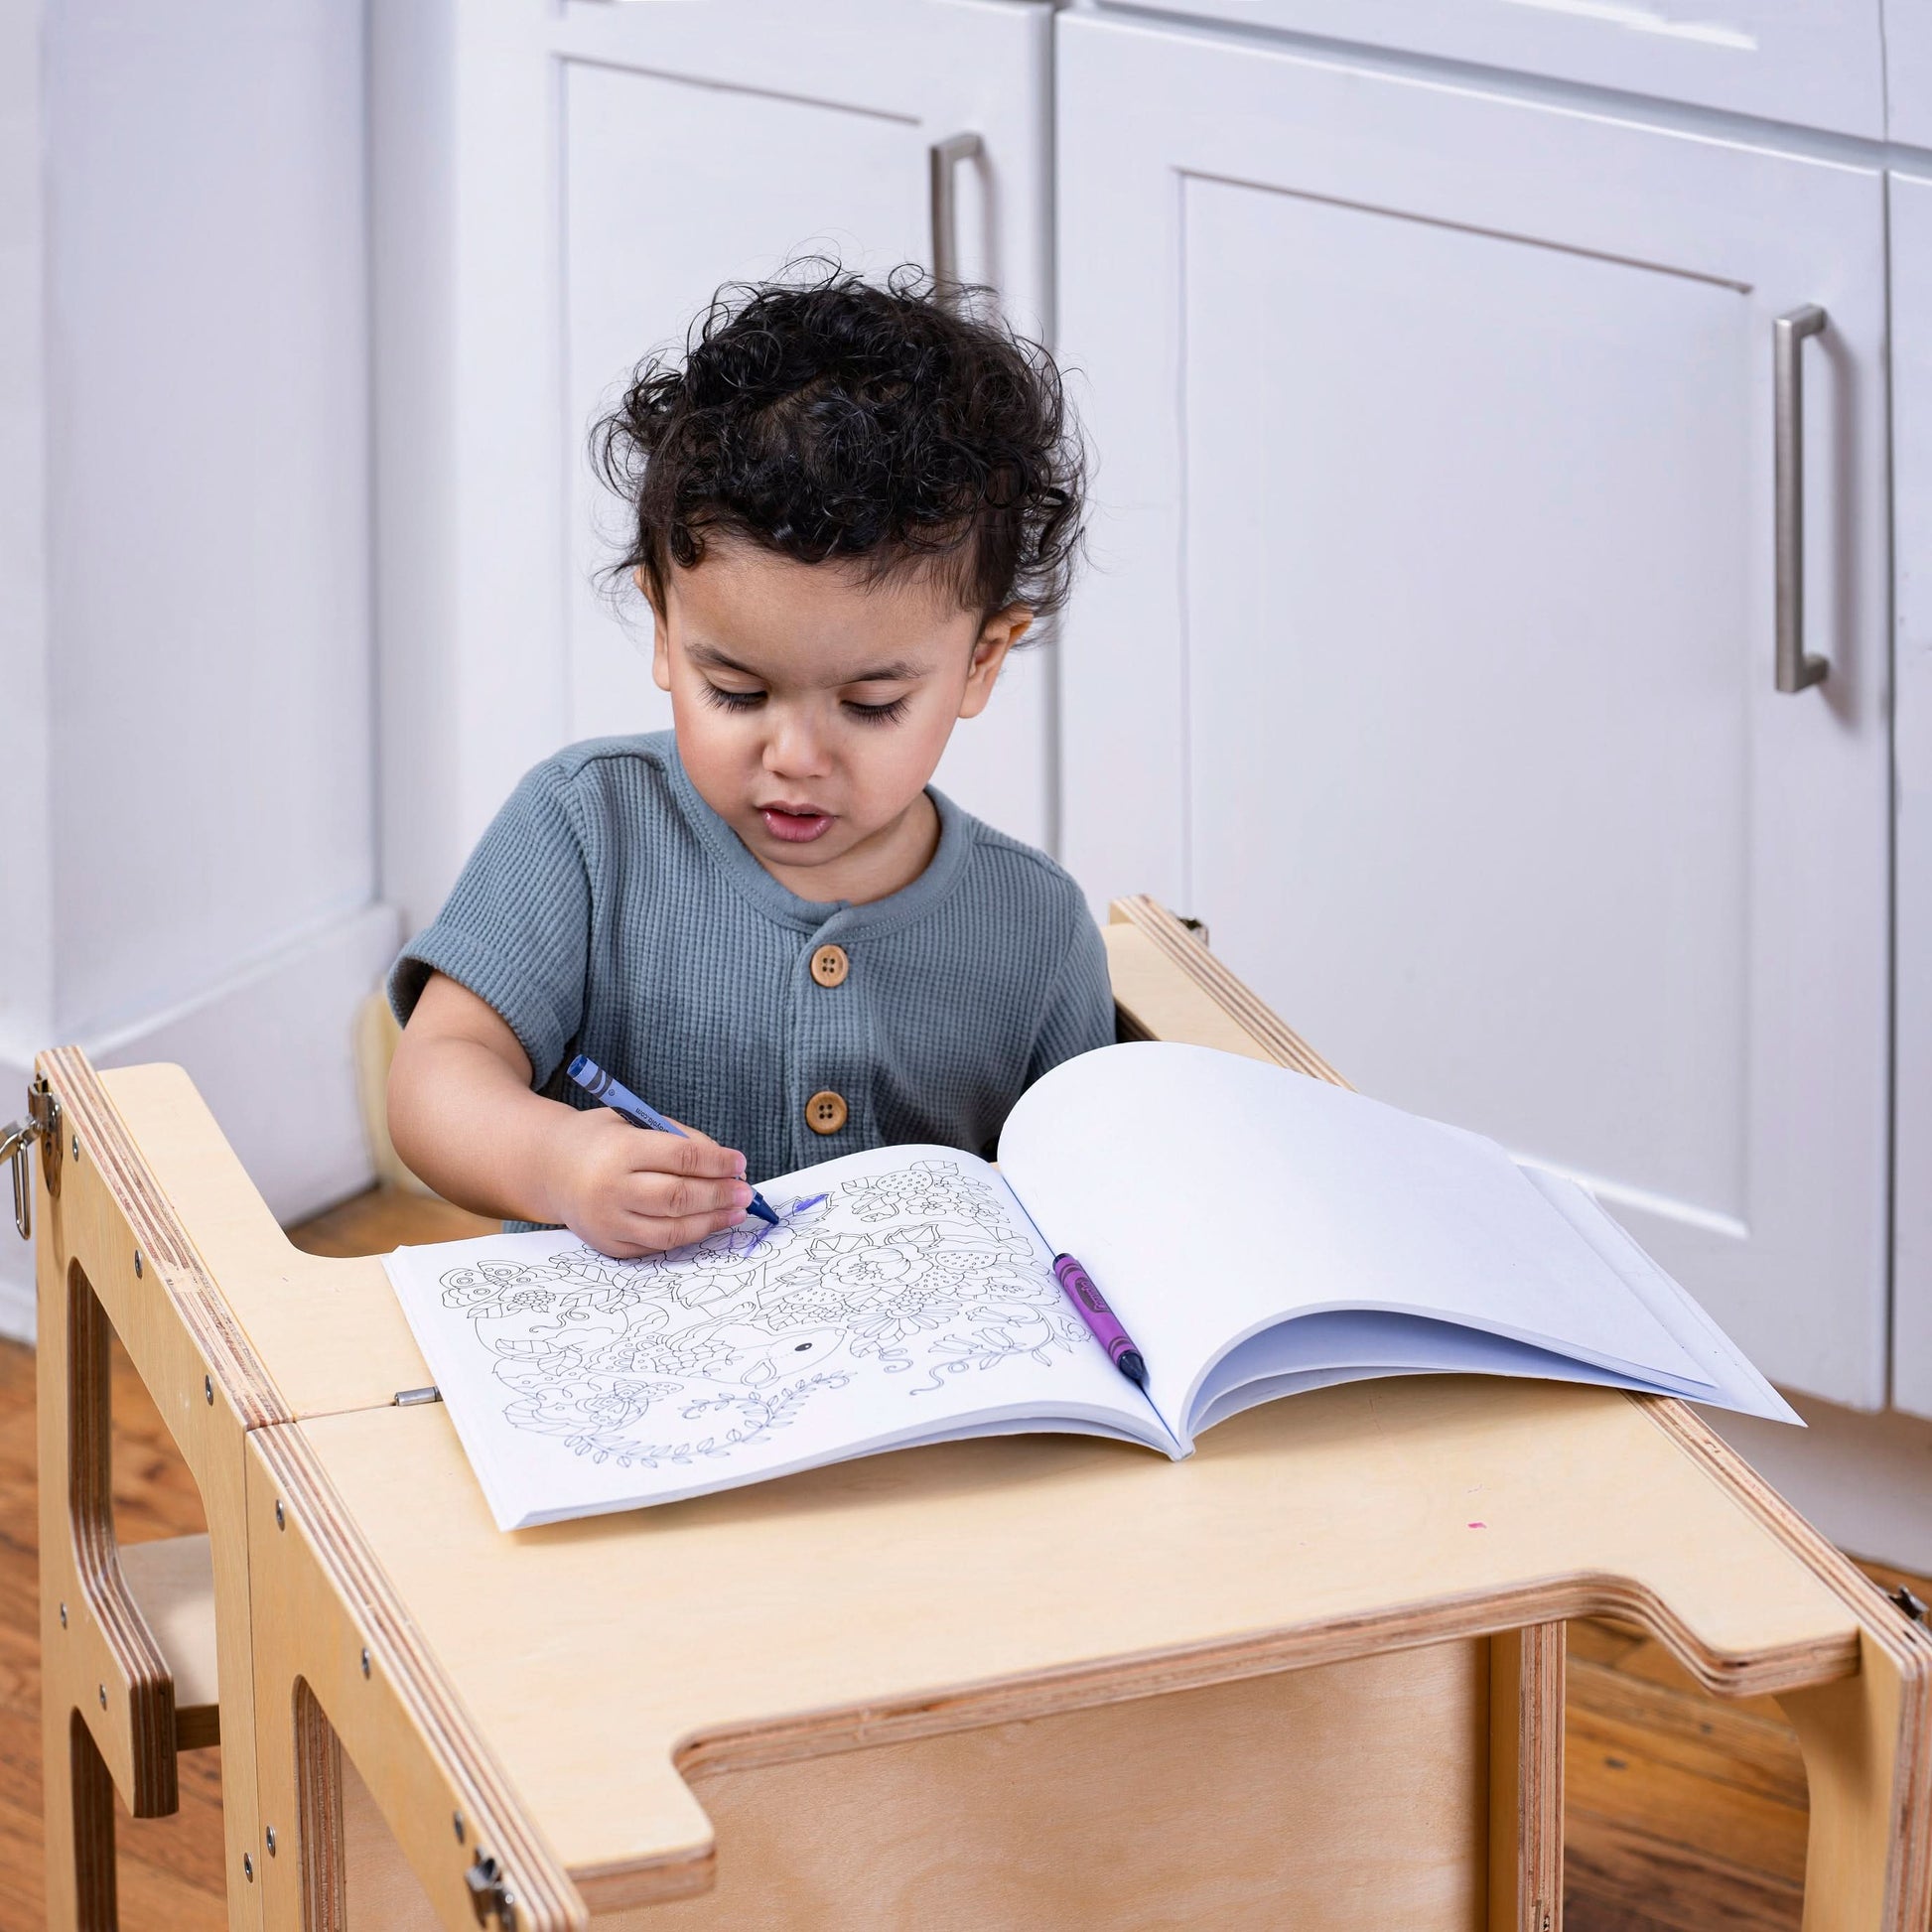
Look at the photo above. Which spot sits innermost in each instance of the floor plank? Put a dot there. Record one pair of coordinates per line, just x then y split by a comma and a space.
385, 1218
1683, 1814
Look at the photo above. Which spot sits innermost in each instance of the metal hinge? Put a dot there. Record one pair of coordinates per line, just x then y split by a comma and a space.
1911, 1602
43, 1124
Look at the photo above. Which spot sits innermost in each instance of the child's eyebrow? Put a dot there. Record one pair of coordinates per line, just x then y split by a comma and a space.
899, 671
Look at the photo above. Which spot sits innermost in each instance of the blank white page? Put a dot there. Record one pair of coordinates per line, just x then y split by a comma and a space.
1210, 1195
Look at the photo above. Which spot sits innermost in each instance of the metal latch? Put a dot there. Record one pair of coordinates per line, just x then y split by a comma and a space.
490, 1892
43, 1124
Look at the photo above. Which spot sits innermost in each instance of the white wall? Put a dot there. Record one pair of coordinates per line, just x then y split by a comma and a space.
186, 505
25, 948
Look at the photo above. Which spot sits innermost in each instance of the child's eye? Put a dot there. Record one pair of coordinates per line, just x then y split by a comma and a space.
879, 714
732, 700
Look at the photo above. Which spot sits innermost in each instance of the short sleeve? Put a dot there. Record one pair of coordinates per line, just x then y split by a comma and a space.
515, 929
1080, 1012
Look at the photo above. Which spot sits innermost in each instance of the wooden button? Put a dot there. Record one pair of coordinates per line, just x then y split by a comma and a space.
826, 1111
830, 965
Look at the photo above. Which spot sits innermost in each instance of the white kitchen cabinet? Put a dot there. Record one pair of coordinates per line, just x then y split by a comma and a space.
612, 164
1908, 72
1427, 656
1912, 370
1815, 63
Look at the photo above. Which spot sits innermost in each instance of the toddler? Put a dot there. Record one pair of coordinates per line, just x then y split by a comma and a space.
848, 503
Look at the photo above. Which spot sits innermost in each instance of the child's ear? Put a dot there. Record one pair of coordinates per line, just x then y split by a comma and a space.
660, 637
997, 636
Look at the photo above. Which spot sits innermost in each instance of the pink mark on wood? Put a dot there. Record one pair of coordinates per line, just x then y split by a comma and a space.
1478, 1526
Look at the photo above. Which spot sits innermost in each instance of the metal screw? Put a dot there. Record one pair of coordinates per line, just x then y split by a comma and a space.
208, 1389
137, 1264
271, 1841
103, 1696
281, 1522
248, 1868
64, 1617
455, 1818
76, 1147
366, 1661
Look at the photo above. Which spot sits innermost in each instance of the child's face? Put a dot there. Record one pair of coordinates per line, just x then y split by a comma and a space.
811, 710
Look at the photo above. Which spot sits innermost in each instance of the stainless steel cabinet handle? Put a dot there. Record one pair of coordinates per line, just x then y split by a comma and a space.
943, 160
1796, 668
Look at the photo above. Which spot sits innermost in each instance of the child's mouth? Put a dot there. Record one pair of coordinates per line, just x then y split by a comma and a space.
794, 827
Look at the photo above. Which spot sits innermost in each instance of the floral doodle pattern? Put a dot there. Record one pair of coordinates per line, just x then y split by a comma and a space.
916, 1273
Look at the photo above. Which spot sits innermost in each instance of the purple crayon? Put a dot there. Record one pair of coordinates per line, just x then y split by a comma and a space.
1094, 1312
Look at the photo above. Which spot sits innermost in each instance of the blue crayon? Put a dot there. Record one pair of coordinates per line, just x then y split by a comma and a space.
622, 1101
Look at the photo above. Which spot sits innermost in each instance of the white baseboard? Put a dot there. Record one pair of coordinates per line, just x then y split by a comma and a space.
1864, 1480
273, 1052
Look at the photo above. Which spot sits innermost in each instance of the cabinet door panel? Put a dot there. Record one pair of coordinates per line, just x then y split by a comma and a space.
1521, 866
716, 147
1818, 63
1435, 434
1911, 337
781, 178
559, 186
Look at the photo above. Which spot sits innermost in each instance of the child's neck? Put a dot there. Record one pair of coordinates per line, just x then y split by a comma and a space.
882, 863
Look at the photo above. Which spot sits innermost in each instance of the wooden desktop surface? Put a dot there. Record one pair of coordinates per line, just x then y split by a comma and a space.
978, 1582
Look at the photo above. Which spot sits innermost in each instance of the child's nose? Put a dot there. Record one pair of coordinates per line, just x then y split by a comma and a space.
797, 747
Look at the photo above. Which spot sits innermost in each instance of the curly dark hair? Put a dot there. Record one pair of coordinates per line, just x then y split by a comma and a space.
831, 419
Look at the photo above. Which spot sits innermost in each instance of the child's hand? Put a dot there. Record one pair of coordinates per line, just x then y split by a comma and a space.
462, 1114
629, 1191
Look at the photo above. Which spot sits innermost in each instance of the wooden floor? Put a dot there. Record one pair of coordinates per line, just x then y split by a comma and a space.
1683, 1814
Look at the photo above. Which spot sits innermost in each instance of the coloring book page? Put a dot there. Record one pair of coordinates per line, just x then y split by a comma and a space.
906, 1297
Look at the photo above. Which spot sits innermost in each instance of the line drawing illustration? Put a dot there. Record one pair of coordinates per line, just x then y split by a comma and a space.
893, 1286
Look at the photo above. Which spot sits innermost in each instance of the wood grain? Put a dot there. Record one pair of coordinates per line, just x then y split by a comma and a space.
1299, 1550
171, 1582
334, 1641
169, 1870
1526, 1778
112, 1233
362, 1567
1333, 1800
330, 1328
1633, 1865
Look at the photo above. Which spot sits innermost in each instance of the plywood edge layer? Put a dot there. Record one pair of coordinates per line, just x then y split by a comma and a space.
1179, 948
1703, 1447
496, 1812
172, 1581
1475, 1614
679, 1871
1896, 1645
164, 1243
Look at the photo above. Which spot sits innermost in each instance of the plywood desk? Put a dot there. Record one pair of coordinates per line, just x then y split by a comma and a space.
1312, 1678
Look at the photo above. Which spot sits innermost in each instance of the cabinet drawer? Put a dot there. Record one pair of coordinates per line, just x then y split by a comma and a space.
1908, 72
1816, 63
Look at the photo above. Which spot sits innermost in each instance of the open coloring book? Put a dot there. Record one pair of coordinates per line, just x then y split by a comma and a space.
1259, 1233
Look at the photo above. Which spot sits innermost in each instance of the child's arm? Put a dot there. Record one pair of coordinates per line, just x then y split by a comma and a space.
462, 1117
